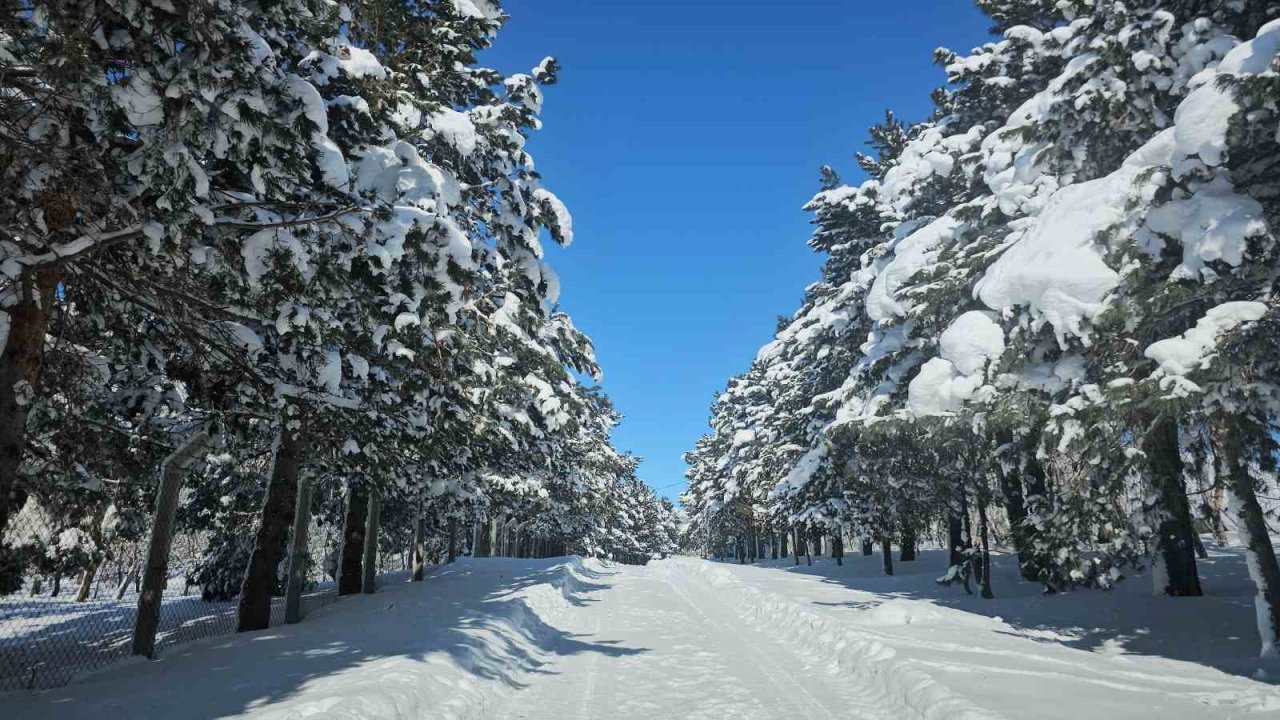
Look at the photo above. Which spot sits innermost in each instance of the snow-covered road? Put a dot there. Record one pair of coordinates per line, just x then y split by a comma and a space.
697, 660
682, 638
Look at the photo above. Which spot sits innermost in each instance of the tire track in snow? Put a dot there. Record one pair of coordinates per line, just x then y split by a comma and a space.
694, 665
589, 692
896, 688
764, 657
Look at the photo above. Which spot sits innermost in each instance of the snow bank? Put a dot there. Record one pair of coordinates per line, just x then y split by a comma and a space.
452, 646
1115, 654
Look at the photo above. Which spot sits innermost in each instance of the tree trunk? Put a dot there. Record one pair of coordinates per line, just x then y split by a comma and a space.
1176, 546
986, 551
1263, 568
955, 538
20, 373
1015, 508
1015, 501
795, 544
967, 533
57, 584
908, 551
86, 582
419, 549
1201, 551
837, 548
886, 551
90, 573
254, 612
453, 540
123, 587
353, 539
484, 543
868, 546
369, 564
1217, 503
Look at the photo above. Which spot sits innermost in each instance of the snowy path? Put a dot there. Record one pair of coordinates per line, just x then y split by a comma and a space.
683, 638
700, 661
933, 661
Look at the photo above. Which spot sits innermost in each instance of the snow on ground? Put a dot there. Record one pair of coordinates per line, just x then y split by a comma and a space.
687, 638
443, 648
45, 642
1118, 654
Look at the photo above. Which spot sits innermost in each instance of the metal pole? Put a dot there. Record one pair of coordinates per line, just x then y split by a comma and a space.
370, 570
157, 568
298, 554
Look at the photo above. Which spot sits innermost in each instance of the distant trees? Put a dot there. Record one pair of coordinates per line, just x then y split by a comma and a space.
1051, 306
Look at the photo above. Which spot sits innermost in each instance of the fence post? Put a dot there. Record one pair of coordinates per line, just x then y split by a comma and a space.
298, 554
453, 539
419, 549
370, 565
157, 567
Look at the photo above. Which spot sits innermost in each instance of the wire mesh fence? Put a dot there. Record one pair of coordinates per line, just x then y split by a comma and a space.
69, 601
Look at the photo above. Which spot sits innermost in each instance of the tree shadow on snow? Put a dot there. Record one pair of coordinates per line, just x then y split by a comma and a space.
473, 613
1216, 630
46, 642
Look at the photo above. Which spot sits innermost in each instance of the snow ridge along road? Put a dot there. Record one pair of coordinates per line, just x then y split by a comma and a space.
681, 638
895, 688
448, 648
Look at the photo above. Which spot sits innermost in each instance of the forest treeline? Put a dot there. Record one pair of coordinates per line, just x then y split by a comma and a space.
1047, 316
310, 232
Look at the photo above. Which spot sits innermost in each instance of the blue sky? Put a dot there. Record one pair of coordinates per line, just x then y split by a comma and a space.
685, 136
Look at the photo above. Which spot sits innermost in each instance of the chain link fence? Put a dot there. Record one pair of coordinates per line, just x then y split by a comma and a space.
69, 600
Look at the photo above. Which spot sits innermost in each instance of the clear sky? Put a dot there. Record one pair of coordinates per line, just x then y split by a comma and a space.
685, 136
